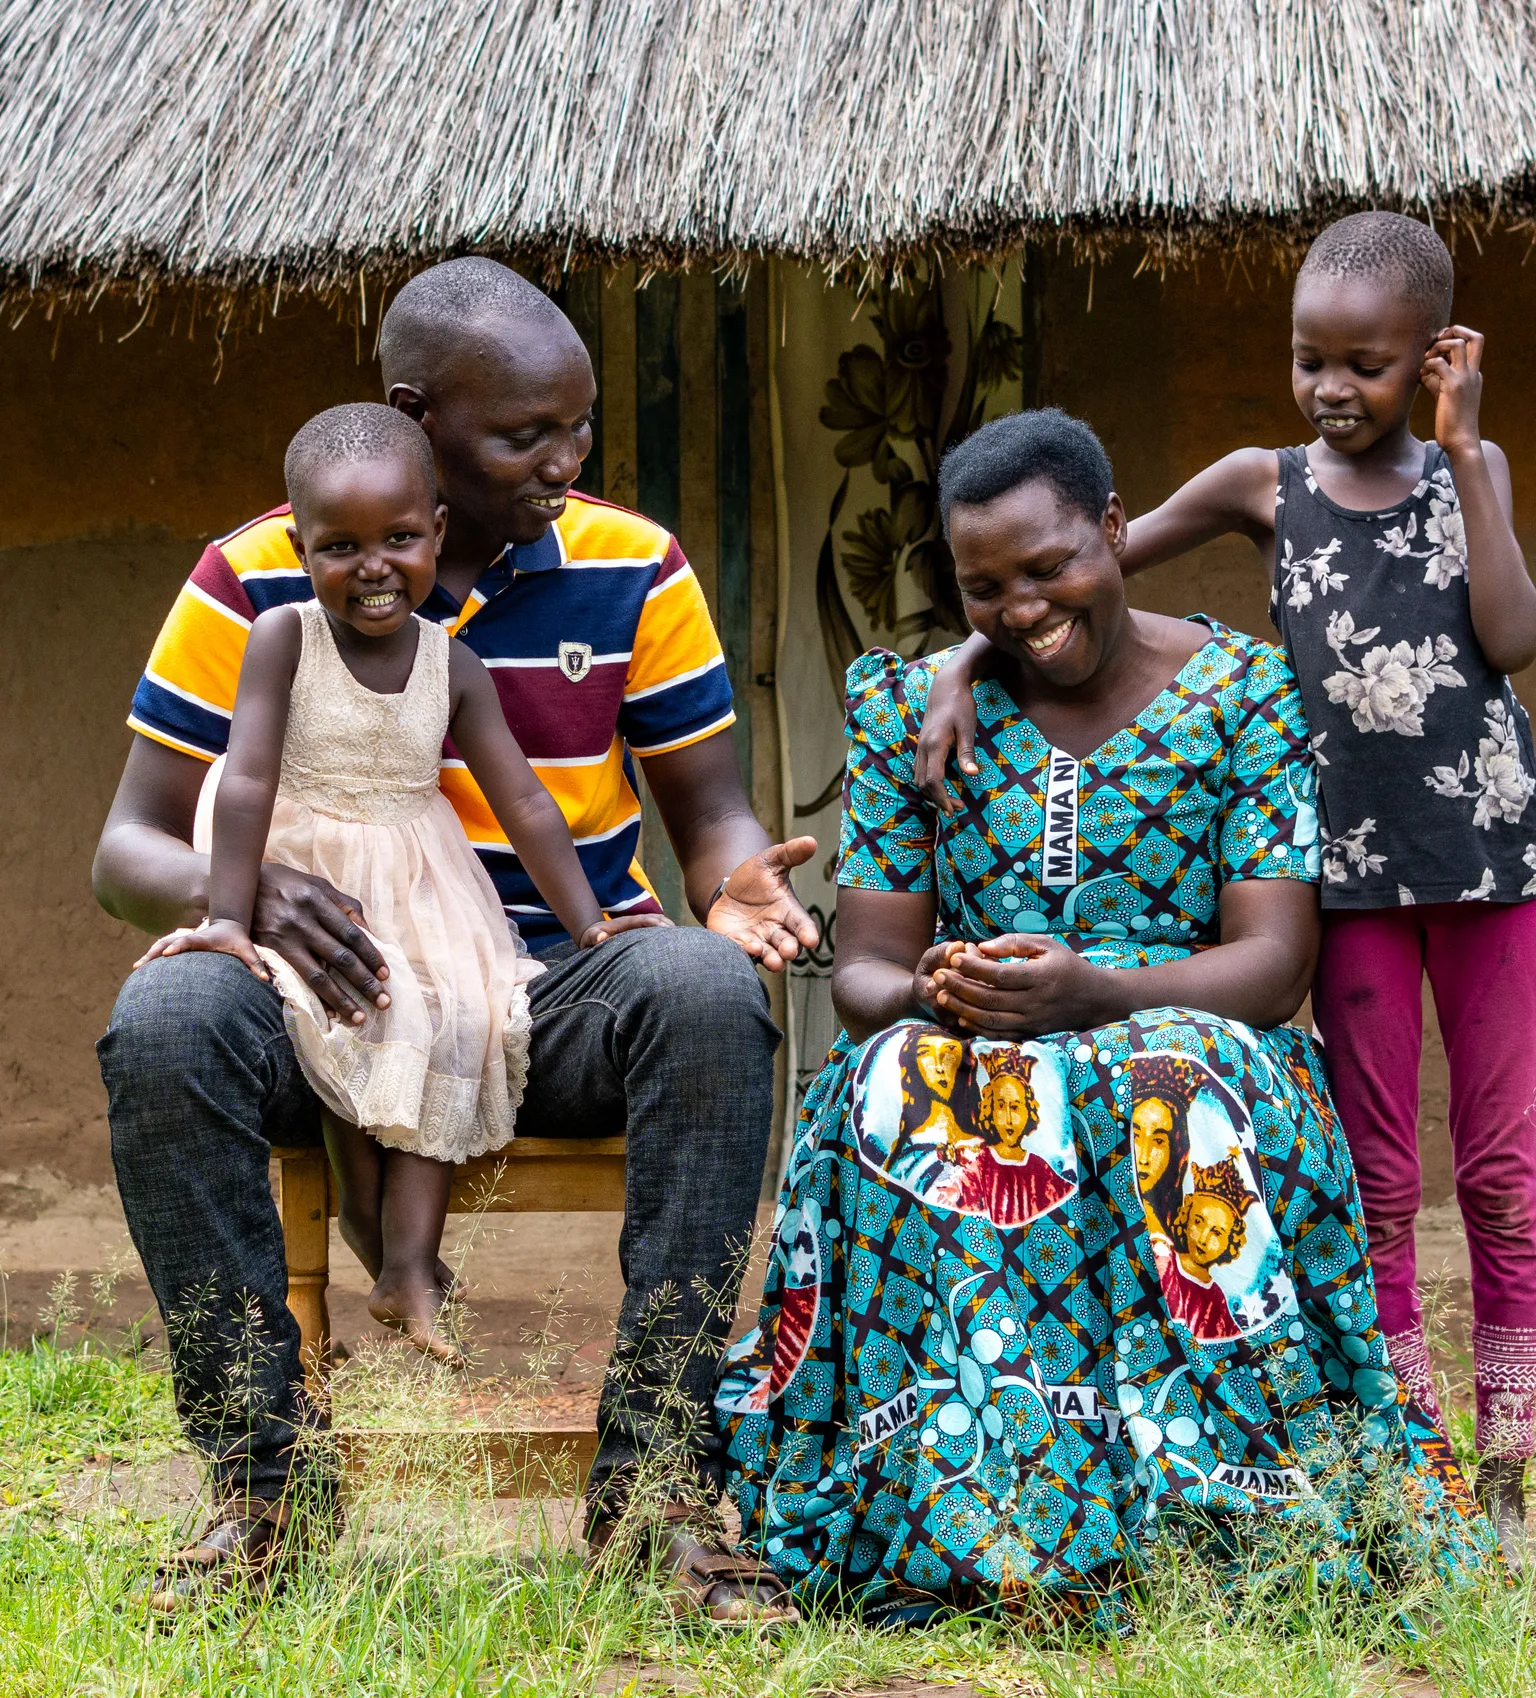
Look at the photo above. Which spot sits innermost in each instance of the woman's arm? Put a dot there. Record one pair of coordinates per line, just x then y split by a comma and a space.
524, 809
886, 956
1258, 973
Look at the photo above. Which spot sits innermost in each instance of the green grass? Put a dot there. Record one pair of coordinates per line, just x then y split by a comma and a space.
441, 1598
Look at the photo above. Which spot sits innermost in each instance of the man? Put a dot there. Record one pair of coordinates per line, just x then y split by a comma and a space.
601, 646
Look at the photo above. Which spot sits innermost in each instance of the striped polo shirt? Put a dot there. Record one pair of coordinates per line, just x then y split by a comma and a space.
599, 642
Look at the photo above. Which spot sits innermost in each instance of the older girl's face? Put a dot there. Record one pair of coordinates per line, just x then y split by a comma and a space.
1041, 581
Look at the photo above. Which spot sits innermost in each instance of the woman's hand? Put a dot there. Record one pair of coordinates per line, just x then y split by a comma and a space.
1453, 374
601, 930
212, 937
925, 985
948, 721
1019, 985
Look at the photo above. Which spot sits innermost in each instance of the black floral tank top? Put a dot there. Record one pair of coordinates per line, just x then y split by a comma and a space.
1425, 768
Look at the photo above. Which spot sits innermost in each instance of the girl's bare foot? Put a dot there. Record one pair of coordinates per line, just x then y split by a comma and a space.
411, 1307
447, 1282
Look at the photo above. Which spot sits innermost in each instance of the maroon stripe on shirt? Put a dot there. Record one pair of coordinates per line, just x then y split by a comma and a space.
672, 562
216, 578
554, 719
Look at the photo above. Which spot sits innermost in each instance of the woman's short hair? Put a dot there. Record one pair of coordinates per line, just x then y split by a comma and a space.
1043, 443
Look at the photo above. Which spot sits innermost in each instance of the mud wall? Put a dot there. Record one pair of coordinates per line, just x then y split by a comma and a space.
128, 452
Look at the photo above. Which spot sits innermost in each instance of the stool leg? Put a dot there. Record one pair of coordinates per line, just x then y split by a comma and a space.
303, 1202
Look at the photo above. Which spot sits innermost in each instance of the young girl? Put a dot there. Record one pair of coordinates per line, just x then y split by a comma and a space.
1404, 602
338, 729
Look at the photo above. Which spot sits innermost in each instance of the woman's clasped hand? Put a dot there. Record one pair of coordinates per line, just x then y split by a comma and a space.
1017, 985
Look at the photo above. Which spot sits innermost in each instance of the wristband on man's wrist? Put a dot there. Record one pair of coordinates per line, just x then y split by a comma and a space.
719, 892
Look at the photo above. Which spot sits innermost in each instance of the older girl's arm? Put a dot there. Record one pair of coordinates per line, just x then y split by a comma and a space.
1499, 589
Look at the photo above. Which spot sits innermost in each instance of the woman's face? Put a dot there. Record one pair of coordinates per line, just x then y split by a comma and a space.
1010, 1112
1152, 1137
1209, 1231
1041, 581
938, 1060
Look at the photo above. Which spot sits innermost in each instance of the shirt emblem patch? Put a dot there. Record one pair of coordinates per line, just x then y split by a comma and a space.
575, 660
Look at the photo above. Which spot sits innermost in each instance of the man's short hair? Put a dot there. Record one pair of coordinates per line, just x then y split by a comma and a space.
361, 430
1043, 443
428, 319
1403, 252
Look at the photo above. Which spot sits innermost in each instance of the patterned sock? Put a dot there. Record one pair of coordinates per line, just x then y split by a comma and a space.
1504, 1360
1408, 1351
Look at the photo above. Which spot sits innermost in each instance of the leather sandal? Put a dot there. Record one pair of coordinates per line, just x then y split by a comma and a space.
704, 1578
242, 1548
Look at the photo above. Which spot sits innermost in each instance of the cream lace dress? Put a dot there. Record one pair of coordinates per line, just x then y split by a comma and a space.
440, 1071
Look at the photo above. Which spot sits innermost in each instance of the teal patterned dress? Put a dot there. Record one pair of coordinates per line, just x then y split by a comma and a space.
1032, 1304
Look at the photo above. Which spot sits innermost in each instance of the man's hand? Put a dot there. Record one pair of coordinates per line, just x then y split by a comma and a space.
1453, 374
319, 932
1044, 987
758, 910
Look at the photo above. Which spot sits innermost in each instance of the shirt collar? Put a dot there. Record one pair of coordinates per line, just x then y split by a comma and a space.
517, 557
541, 556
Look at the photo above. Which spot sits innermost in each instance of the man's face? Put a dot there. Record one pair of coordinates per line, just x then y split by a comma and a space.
511, 422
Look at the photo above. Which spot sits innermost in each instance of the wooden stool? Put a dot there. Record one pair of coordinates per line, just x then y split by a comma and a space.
531, 1175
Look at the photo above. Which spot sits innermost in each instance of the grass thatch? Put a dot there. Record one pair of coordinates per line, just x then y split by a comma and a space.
273, 144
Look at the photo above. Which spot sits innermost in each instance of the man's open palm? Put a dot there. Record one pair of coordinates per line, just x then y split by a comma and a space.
758, 910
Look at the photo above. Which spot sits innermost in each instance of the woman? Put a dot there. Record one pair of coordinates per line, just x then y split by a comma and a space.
981, 1404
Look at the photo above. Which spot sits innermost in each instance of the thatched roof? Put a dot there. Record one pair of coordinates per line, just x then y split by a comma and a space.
241, 143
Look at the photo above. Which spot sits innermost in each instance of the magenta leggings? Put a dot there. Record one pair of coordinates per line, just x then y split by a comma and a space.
1481, 962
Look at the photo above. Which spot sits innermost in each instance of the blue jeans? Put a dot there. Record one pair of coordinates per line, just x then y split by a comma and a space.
663, 1033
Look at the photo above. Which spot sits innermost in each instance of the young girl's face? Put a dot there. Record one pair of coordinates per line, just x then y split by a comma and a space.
1357, 347
369, 536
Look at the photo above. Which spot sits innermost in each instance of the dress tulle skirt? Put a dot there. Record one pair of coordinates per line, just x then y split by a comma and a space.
441, 1071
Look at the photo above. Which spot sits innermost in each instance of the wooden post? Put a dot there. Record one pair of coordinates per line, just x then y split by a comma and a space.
303, 1201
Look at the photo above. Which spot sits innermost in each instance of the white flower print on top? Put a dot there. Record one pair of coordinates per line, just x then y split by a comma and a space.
1315, 572
1503, 785
1447, 530
1444, 530
1374, 611
1388, 689
1346, 854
